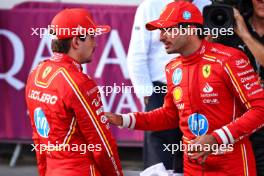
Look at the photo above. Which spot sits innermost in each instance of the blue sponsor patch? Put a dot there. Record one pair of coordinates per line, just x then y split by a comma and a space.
198, 124
186, 15
177, 76
41, 123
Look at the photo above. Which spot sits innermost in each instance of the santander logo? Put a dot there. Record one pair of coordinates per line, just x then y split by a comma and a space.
207, 88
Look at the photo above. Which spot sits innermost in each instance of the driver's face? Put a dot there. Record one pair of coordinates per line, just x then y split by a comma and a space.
258, 6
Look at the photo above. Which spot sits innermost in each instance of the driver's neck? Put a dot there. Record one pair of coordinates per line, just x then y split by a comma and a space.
192, 47
74, 55
258, 24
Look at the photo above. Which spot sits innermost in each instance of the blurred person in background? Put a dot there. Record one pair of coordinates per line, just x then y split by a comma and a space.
206, 98
249, 38
65, 106
146, 59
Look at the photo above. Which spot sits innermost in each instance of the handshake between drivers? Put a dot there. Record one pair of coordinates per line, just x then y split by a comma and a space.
114, 119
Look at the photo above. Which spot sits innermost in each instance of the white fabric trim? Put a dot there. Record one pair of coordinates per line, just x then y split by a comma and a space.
126, 120
133, 123
70, 130
230, 136
222, 135
234, 110
245, 157
91, 170
209, 59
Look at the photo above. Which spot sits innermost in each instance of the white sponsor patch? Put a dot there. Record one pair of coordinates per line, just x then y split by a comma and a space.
248, 86
211, 101
100, 110
248, 78
255, 92
242, 63
180, 106
207, 88
220, 52
42, 97
245, 72
209, 95
103, 119
92, 91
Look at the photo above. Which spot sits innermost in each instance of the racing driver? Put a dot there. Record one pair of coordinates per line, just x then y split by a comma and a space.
70, 131
214, 96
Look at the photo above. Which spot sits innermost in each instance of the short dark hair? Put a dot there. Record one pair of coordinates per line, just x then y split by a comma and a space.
61, 45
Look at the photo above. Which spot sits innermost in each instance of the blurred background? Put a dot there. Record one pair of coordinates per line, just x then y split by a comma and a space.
6, 4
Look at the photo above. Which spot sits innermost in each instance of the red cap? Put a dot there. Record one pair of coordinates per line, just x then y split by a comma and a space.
175, 13
74, 22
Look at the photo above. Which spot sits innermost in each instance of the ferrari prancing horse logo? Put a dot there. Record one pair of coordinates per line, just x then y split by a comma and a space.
46, 72
206, 71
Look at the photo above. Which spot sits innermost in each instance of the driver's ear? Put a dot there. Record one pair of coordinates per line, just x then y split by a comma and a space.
75, 42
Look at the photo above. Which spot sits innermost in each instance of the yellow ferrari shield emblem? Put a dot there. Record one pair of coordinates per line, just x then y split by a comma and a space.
46, 72
206, 71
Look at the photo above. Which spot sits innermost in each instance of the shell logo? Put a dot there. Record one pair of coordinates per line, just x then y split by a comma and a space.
177, 94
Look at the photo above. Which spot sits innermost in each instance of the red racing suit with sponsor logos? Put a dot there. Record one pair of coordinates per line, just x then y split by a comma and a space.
213, 91
70, 132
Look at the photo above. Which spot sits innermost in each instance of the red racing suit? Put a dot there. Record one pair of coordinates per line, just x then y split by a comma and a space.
213, 91
70, 132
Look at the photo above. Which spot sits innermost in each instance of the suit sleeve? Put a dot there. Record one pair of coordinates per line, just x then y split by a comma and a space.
163, 118
247, 88
41, 156
88, 108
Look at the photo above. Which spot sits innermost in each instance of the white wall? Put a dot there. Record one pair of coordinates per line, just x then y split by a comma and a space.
7, 4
